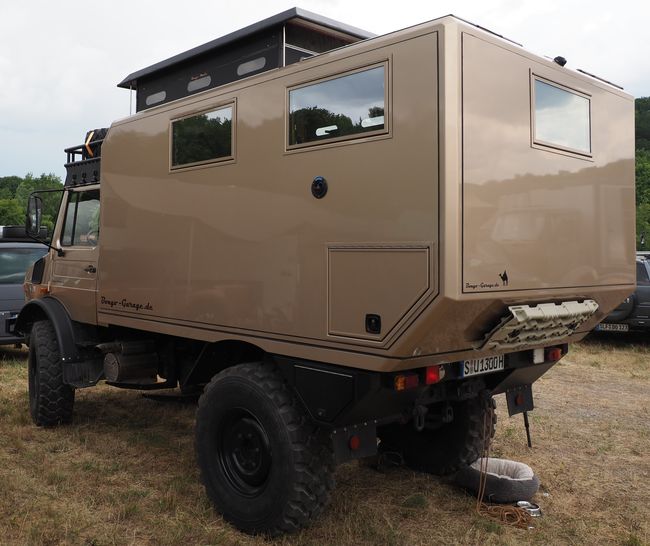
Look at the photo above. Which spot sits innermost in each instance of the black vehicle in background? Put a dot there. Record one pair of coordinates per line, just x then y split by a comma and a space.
17, 253
633, 315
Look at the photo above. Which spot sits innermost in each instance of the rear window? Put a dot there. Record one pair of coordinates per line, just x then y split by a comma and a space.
562, 118
642, 273
15, 261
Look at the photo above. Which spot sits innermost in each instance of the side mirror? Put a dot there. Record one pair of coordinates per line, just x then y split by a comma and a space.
34, 215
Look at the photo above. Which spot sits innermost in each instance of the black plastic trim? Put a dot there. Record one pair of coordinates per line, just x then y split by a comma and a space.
52, 309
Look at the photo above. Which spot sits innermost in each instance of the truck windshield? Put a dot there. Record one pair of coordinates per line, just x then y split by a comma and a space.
15, 261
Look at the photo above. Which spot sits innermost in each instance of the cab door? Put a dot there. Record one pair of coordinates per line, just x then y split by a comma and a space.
74, 274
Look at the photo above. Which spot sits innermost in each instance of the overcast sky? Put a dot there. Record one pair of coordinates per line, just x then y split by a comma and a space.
60, 61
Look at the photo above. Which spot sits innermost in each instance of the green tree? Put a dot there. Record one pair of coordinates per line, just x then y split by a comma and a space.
51, 199
642, 122
643, 226
11, 213
8, 185
15, 190
642, 134
642, 176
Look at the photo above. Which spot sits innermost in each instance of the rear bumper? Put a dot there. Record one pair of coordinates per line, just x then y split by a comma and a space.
337, 396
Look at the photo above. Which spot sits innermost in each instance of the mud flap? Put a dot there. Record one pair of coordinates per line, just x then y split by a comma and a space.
354, 442
520, 399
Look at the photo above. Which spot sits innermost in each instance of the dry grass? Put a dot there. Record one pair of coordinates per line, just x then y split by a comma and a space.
124, 472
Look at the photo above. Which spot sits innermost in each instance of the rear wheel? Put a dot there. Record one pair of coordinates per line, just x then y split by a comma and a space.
445, 449
50, 400
265, 467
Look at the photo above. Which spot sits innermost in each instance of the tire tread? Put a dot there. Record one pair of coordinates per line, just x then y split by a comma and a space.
313, 459
53, 403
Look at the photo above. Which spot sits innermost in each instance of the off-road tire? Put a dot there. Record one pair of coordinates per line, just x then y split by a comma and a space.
283, 485
448, 448
50, 400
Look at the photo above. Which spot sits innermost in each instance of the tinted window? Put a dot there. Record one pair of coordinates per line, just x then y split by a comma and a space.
155, 98
199, 83
562, 118
81, 226
342, 107
642, 273
202, 138
15, 261
251, 66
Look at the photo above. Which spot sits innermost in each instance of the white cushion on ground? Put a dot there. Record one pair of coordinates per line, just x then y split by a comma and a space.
505, 469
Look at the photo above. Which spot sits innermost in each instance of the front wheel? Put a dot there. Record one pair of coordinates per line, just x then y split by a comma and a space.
265, 467
50, 399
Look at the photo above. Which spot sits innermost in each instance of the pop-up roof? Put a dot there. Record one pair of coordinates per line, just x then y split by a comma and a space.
283, 39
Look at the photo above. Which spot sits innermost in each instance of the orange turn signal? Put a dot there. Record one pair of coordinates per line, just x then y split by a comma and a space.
406, 381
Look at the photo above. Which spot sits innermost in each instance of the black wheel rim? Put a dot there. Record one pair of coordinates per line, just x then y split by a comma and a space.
244, 452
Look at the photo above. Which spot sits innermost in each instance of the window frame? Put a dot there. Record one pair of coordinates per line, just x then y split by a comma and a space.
551, 146
231, 103
76, 194
347, 139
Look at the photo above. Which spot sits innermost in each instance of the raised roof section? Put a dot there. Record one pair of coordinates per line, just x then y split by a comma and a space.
283, 39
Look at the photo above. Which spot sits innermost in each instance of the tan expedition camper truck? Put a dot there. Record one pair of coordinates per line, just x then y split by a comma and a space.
335, 238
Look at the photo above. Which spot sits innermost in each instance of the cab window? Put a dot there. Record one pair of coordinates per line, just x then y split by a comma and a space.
81, 226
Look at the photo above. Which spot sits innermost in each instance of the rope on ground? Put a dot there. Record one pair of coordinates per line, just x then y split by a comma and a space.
504, 514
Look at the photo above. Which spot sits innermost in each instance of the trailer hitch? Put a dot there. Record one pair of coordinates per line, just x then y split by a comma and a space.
419, 417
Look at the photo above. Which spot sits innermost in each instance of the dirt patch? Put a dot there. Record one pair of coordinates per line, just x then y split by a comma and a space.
124, 471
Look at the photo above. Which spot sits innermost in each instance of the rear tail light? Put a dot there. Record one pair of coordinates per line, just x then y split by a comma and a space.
553, 354
434, 374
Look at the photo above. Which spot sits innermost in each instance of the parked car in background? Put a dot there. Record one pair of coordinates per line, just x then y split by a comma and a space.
634, 313
17, 253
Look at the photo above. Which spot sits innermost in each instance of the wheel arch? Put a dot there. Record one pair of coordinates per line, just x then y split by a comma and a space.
48, 308
216, 357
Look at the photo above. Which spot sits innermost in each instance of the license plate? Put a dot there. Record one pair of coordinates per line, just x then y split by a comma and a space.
478, 366
605, 327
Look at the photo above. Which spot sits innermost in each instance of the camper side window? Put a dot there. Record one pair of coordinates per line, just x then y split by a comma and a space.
338, 108
202, 138
562, 118
81, 226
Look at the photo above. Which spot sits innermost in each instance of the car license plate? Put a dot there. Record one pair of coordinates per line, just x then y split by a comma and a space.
606, 327
478, 366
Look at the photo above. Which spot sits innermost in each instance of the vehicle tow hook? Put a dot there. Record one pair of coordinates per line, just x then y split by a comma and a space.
419, 415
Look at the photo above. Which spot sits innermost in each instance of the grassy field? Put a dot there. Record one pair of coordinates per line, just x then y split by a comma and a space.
124, 471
